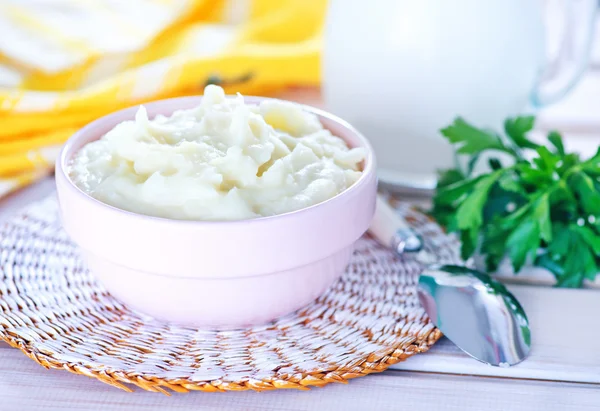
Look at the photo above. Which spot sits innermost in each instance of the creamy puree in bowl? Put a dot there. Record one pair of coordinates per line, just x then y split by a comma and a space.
223, 160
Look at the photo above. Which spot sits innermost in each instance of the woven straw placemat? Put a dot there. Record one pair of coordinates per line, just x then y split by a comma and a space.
53, 310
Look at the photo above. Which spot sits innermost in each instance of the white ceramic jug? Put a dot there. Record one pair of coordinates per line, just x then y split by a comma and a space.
400, 70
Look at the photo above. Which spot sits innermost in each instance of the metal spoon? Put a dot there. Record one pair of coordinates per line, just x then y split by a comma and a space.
474, 311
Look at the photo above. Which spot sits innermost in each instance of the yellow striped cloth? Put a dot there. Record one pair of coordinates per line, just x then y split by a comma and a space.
64, 63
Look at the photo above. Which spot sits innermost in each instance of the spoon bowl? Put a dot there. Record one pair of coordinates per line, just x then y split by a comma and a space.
475, 312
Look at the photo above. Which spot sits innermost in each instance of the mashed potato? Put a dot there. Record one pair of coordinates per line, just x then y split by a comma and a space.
223, 160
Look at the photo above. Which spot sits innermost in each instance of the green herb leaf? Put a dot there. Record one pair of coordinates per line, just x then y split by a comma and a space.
562, 238
546, 160
588, 194
510, 182
493, 247
517, 128
556, 140
572, 280
468, 239
579, 263
470, 139
541, 215
590, 237
511, 221
549, 264
534, 176
454, 192
472, 163
448, 177
523, 242
469, 214
592, 165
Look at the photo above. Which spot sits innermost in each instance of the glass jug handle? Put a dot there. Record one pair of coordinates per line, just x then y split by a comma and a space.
563, 71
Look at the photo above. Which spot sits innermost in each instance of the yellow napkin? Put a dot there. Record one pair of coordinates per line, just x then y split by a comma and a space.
64, 63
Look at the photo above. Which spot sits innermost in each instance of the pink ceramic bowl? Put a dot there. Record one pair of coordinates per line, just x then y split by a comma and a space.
216, 274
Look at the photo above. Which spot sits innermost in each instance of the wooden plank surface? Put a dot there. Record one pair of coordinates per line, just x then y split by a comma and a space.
565, 340
25, 386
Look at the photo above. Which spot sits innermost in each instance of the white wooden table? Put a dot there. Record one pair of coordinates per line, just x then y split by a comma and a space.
562, 373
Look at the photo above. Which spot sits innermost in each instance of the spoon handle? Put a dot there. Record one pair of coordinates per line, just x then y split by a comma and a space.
391, 230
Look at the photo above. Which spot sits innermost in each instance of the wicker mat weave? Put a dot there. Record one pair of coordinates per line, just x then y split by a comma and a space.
57, 314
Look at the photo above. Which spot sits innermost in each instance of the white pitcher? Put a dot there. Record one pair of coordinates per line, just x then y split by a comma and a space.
400, 70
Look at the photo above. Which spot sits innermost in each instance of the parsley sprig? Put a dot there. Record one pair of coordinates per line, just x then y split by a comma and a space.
542, 206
